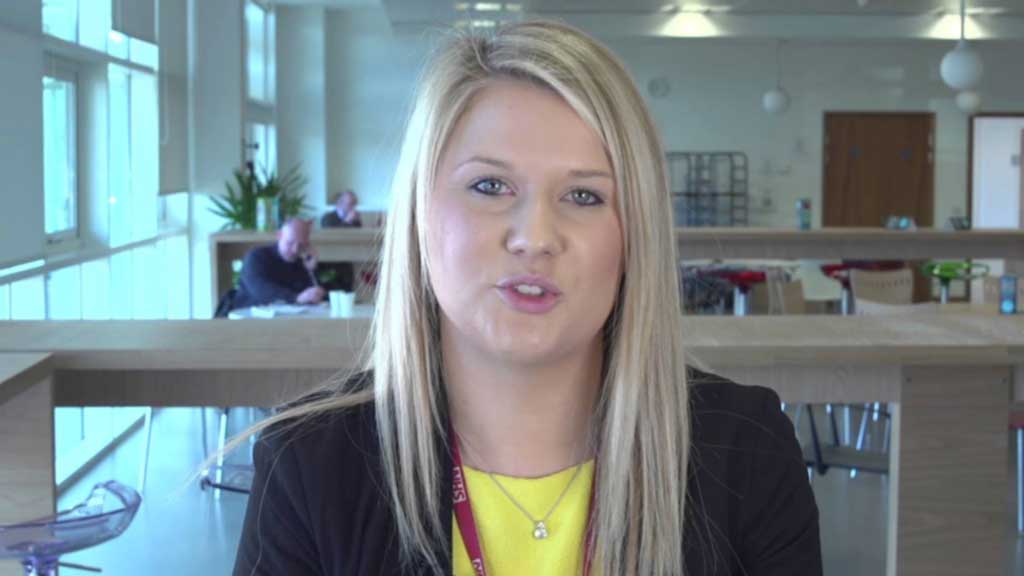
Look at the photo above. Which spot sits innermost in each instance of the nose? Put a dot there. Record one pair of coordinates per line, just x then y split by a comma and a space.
533, 229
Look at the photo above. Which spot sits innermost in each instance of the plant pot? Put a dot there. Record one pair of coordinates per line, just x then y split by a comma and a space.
266, 214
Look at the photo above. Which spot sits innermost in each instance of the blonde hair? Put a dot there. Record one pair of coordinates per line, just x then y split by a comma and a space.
642, 416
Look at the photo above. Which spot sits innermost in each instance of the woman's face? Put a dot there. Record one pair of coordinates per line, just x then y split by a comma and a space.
525, 243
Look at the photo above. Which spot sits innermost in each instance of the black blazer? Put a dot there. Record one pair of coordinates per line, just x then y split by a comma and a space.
318, 504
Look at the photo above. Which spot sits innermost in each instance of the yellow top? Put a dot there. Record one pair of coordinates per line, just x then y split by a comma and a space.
506, 534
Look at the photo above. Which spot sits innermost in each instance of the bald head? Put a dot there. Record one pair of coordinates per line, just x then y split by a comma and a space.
293, 238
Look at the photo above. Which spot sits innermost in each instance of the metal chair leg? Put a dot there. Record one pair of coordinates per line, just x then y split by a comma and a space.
832, 424
222, 439
1020, 480
816, 443
860, 435
147, 428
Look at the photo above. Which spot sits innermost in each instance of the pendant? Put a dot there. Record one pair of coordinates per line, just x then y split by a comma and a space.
540, 532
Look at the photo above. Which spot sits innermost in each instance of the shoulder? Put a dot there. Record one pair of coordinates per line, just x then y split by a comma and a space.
324, 444
261, 253
720, 407
741, 428
748, 480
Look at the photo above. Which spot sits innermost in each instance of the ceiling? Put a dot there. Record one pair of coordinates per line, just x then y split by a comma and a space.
825, 20
759, 7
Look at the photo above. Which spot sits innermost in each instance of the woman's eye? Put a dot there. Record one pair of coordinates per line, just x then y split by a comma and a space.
488, 186
585, 198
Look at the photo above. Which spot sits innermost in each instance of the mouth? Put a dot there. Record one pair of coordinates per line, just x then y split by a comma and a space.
529, 294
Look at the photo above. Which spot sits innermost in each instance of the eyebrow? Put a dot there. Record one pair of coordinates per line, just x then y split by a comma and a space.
506, 166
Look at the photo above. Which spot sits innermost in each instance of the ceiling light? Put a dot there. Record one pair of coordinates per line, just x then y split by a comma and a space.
513, 7
776, 100
968, 101
461, 6
961, 67
483, 23
487, 7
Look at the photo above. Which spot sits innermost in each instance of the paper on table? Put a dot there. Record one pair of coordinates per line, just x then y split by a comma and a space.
272, 310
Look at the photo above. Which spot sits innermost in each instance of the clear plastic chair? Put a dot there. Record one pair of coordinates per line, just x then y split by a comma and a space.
39, 544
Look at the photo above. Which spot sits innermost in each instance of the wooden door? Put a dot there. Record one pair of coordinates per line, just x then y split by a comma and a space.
879, 165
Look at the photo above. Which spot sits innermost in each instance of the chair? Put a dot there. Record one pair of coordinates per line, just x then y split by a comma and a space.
778, 296
946, 272
39, 544
883, 286
841, 273
822, 456
225, 304
871, 308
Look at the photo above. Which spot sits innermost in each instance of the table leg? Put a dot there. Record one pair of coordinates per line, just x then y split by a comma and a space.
948, 507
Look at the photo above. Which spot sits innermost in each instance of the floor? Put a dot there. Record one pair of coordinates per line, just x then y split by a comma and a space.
183, 530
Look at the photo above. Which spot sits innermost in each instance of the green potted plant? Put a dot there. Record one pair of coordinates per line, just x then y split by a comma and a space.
263, 199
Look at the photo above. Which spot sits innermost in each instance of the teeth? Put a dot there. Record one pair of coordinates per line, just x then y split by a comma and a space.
529, 289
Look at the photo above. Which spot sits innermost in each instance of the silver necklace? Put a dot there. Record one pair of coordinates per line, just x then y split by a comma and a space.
540, 528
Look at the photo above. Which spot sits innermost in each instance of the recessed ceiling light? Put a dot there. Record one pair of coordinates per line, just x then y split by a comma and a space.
483, 23
513, 7
487, 7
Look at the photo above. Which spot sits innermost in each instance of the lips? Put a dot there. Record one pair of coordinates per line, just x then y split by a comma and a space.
529, 294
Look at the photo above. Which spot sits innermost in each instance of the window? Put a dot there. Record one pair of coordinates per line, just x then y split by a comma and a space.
87, 24
133, 161
261, 148
259, 34
60, 186
60, 19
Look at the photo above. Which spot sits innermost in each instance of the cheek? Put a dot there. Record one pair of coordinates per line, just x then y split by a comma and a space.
458, 250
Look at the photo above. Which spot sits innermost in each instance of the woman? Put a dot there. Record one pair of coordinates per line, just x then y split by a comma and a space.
526, 407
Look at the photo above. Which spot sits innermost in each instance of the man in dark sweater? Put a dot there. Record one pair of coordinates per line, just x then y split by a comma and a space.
281, 272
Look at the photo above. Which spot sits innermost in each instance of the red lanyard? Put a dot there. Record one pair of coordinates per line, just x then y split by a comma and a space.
467, 524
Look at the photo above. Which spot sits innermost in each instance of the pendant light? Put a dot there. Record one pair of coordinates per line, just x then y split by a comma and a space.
968, 101
962, 67
776, 100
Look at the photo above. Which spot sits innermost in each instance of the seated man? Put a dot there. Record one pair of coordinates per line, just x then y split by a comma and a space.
344, 214
281, 272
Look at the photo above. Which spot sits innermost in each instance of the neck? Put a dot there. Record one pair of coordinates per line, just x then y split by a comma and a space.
521, 420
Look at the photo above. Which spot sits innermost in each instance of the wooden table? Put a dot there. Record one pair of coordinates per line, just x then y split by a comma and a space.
948, 377
363, 245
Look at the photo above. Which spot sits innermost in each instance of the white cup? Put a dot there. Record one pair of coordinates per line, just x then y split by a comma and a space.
342, 303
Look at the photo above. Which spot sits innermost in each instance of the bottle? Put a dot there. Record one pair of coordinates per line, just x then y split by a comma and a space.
803, 213
1008, 295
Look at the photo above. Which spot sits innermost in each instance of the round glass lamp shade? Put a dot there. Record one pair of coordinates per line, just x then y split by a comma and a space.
961, 67
775, 101
968, 101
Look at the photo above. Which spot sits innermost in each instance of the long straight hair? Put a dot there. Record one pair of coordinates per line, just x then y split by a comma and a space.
641, 420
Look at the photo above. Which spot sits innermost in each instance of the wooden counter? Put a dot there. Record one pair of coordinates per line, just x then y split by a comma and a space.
948, 376
363, 245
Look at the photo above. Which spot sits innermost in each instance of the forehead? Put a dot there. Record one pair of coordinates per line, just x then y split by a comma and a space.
532, 123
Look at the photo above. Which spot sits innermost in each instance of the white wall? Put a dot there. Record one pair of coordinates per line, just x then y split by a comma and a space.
173, 96
997, 191
371, 74
301, 88
22, 235
714, 104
